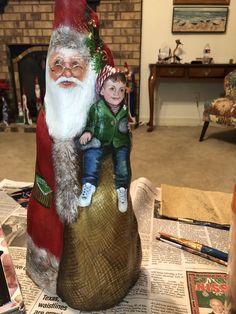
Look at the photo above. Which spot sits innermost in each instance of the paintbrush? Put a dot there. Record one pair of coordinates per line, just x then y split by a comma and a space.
190, 250
196, 246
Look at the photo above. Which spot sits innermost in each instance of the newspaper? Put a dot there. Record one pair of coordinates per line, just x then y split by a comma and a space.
163, 285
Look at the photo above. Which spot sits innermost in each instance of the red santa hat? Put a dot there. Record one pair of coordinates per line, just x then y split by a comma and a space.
106, 71
76, 26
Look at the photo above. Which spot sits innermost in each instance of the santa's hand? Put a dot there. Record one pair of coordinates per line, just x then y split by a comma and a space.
85, 137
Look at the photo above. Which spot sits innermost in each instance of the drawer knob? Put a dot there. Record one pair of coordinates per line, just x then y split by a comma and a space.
172, 71
207, 72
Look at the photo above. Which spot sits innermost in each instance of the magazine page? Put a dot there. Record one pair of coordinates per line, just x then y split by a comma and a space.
207, 291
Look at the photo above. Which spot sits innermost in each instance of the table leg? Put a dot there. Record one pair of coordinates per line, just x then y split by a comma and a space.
151, 85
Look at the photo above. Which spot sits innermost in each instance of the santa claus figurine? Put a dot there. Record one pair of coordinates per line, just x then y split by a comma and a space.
89, 256
38, 101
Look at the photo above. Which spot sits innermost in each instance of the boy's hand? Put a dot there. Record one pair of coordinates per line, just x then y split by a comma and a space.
86, 137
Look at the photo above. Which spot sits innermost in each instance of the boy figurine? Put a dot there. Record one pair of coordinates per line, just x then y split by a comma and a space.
107, 132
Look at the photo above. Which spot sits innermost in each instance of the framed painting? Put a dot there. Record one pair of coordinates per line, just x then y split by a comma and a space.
199, 19
215, 2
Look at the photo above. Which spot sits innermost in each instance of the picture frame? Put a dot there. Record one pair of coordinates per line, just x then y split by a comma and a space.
202, 2
199, 19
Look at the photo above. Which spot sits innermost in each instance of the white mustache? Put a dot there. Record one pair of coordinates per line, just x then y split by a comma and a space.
69, 79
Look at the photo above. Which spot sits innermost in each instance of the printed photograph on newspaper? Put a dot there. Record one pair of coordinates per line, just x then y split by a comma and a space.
11, 300
207, 292
22, 195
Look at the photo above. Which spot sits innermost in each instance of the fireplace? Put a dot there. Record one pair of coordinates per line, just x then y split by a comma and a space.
28, 69
25, 31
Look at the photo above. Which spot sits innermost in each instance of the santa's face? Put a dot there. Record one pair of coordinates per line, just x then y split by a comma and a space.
70, 91
66, 64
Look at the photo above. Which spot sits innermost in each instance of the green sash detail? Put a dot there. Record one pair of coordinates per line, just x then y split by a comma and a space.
42, 192
42, 184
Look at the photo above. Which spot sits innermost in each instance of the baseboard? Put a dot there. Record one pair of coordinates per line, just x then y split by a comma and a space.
180, 122
174, 121
17, 127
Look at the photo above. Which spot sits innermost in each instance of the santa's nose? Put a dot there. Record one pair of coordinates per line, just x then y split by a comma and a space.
67, 72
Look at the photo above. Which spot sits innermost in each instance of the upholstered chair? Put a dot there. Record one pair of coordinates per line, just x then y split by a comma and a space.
223, 109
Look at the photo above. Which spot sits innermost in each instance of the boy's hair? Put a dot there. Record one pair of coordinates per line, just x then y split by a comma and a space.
116, 77
109, 72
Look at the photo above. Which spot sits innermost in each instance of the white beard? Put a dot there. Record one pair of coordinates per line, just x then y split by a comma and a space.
67, 108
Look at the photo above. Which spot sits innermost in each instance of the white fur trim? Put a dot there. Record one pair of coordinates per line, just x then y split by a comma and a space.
41, 266
66, 169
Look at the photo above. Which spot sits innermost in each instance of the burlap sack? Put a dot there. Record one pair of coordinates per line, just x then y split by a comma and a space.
102, 252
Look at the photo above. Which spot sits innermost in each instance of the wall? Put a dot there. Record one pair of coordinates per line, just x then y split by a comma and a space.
30, 22
176, 103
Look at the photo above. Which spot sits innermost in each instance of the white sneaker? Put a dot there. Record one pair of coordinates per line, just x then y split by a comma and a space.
86, 195
122, 199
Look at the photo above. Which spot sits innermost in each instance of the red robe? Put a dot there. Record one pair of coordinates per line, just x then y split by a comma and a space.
43, 224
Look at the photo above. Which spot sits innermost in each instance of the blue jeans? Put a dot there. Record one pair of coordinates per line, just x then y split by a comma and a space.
92, 159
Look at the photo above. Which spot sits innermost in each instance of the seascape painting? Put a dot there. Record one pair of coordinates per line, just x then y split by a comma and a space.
216, 2
199, 20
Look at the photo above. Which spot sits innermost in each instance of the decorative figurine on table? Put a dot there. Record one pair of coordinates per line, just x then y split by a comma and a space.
107, 124
89, 256
175, 56
165, 55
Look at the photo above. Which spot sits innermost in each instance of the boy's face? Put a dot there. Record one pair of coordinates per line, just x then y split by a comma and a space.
113, 92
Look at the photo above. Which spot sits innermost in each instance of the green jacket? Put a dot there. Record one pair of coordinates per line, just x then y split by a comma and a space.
110, 129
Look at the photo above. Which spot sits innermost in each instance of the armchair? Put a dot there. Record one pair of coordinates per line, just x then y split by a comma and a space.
223, 109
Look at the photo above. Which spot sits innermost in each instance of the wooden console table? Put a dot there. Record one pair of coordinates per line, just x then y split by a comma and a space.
182, 71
